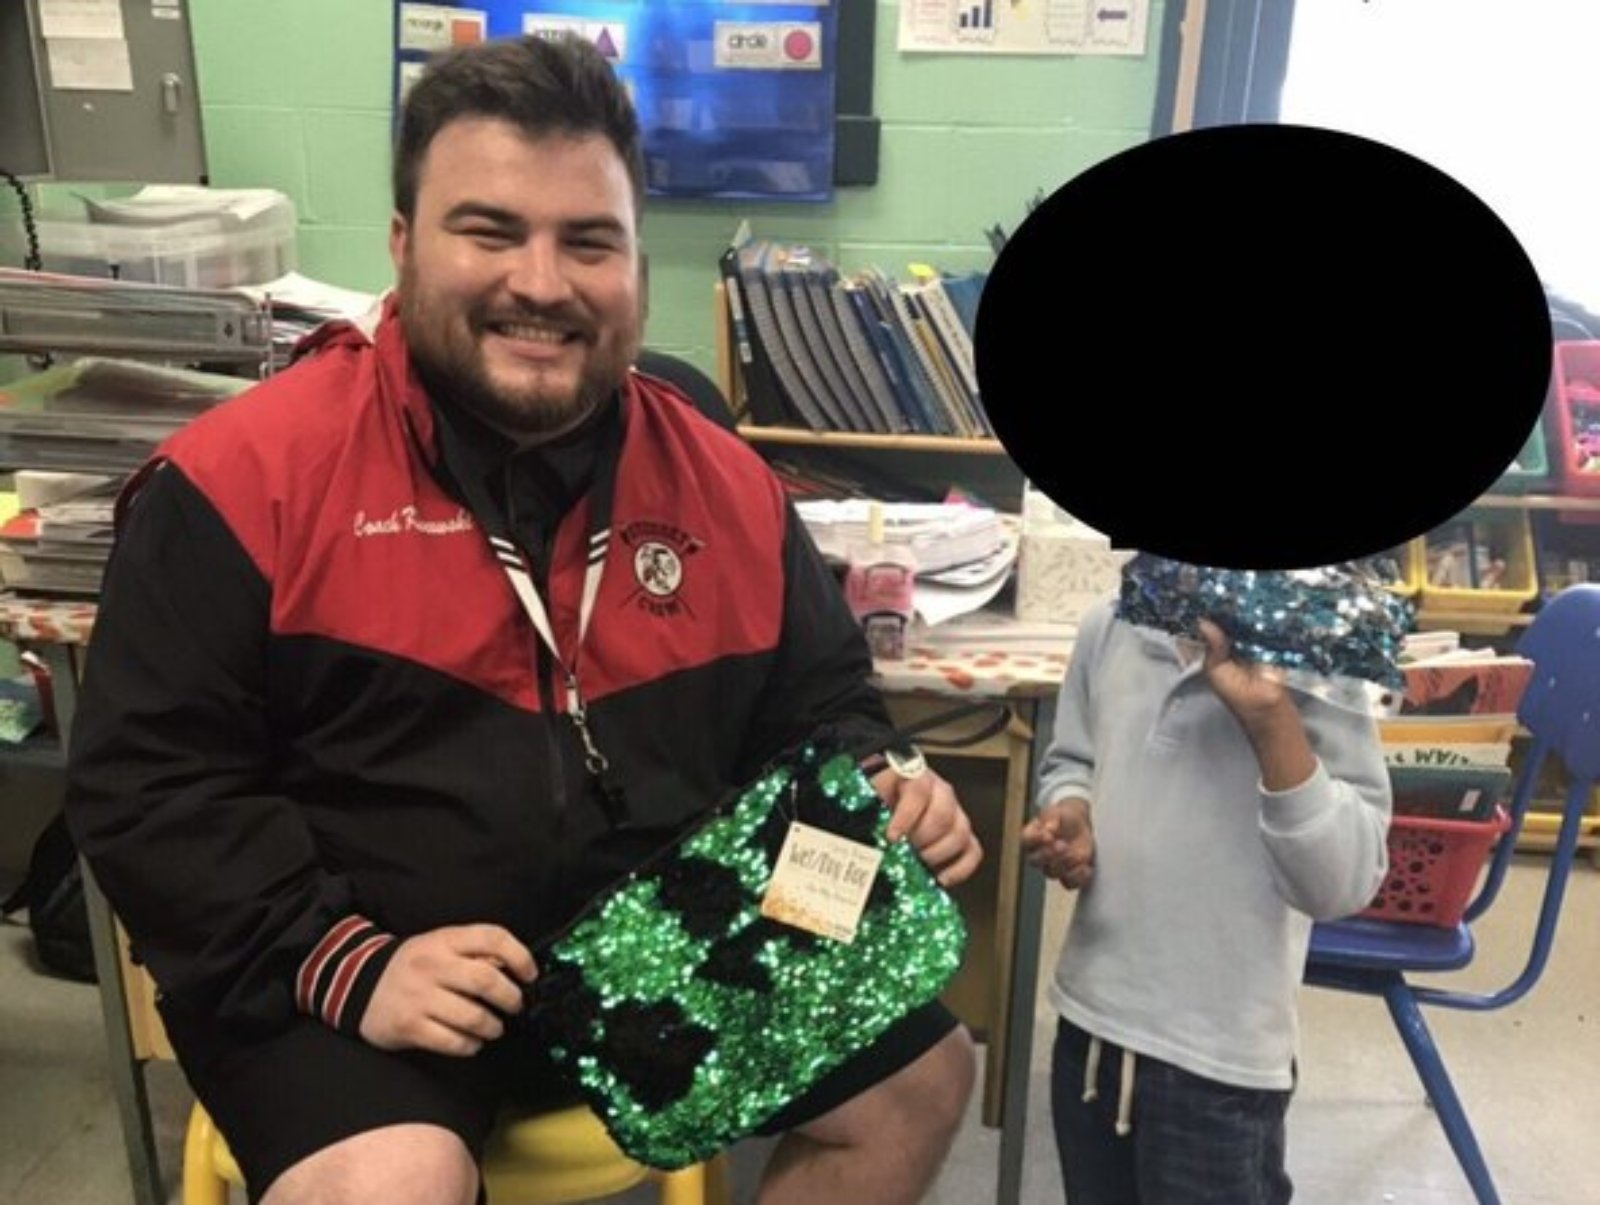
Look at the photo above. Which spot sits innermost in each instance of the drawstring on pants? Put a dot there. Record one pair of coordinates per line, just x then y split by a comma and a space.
1091, 1089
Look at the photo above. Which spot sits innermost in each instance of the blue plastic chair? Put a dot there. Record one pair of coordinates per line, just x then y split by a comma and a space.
1561, 708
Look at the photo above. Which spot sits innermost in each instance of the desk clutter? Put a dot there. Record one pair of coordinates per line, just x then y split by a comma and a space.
72, 434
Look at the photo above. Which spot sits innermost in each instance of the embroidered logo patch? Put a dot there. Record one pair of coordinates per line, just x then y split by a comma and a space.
661, 553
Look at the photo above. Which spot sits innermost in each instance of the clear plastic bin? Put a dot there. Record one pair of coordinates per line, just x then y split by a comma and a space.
202, 253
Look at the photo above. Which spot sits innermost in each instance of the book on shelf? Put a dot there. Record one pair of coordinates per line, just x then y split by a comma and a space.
954, 338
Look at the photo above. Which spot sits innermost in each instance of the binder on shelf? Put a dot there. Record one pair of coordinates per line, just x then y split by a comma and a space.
818, 279
882, 391
762, 393
964, 290
957, 344
903, 394
911, 320
768, 345
792, 266
787, 323
927, 415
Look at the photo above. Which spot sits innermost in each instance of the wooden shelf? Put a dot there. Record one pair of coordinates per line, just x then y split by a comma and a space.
795, 437
1472, 622
1538, 502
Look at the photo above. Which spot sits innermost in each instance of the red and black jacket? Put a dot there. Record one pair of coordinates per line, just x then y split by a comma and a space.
316, 717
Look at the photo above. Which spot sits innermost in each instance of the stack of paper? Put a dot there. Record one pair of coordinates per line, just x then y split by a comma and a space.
940, 536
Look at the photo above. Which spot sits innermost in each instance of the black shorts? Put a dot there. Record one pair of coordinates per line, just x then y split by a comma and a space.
281, 1100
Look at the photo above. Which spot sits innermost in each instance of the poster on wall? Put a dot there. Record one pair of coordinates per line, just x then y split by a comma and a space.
1060, 27
735, 97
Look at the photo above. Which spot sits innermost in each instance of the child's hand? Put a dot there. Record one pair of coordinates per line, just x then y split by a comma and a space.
1060, 842
1254, 693
1258, 698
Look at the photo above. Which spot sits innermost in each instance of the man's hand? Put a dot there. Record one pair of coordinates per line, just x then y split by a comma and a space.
926, 811
441, 990
1060, 842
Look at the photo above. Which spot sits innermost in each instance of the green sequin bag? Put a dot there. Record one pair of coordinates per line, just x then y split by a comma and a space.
688, 1019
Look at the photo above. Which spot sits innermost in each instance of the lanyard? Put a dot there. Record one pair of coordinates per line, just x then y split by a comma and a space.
516, 567
497, 528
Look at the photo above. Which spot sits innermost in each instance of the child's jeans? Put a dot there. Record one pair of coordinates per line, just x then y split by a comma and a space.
1189, 1140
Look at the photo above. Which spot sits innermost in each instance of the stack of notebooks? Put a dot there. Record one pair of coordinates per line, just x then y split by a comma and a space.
862, 353
1448, 749
74, 433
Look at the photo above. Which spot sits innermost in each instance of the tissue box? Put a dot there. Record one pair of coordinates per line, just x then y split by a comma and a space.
1062, 570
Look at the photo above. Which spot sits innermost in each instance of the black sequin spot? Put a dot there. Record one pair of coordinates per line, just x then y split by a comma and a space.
706, 895
562, 1005
733, 962
821, 810
654, 1049
768, 929
881, 896
770, 836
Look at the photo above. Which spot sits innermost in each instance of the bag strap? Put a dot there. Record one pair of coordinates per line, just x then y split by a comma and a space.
900, 740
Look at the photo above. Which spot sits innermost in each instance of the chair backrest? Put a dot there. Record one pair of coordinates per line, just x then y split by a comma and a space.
694, 384
1560, 707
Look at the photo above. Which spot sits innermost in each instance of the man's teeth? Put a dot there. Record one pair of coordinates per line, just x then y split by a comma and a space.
533, 334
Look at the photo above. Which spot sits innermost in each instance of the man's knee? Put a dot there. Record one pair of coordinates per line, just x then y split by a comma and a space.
942, 1081
394, 1165
925, 1100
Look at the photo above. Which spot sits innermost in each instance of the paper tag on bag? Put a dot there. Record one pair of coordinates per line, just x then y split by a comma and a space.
821, 883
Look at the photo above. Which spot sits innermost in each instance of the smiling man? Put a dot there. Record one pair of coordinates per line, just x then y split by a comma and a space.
407, 653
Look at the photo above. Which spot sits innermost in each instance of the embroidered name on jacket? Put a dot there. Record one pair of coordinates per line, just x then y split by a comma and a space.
660, 556
407, 519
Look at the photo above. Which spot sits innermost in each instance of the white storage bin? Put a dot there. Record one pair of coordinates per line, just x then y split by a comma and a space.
215, 251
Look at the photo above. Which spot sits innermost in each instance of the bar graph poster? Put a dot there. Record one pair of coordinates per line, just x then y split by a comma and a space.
1064, 27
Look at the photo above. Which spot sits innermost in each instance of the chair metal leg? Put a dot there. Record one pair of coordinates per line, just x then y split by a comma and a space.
1441, 1092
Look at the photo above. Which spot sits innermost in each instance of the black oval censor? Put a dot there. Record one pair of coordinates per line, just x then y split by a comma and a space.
1263, 347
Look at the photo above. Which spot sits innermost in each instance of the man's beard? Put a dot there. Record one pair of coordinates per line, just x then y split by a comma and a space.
450, 363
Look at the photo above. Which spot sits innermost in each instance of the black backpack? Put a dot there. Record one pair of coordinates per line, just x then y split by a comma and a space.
53, 895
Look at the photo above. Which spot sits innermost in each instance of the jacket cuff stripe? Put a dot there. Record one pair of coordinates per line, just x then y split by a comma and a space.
349, 970
316, 962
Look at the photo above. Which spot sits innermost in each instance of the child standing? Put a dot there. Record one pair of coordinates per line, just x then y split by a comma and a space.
1207, 812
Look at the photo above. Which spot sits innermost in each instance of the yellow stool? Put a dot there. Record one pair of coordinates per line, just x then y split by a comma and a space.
544, 1159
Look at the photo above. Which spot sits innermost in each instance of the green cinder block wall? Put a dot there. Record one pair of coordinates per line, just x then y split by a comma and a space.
295, 95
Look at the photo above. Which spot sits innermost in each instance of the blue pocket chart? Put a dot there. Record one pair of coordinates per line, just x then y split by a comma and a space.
736, 99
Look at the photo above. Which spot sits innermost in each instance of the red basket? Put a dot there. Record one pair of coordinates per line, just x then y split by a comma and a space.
1577, 384
1433, 867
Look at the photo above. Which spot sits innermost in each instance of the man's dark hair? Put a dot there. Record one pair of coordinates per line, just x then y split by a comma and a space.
543, 86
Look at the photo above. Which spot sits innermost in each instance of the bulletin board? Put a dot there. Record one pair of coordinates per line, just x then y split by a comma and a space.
736, 100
